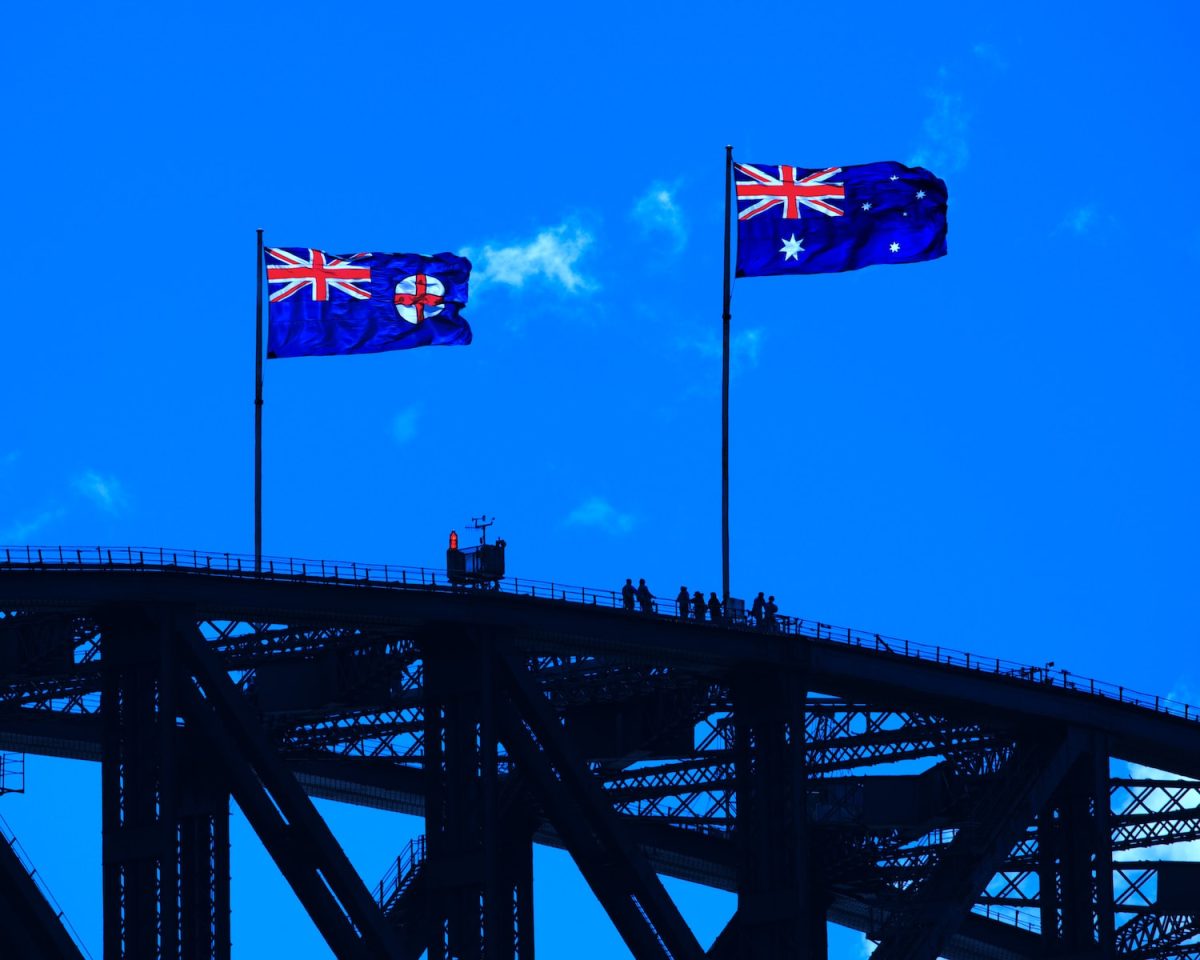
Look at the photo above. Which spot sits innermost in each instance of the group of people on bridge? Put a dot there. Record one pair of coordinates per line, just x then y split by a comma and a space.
692, 606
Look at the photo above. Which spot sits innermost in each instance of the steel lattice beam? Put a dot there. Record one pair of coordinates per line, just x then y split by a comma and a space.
930, 912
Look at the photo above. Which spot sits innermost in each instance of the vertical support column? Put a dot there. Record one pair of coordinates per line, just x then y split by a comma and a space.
520, 867
1078, 849
507, 837
1102, 862
454, 798
165, 870
1049, 853
203, 818
137, 785
1075, 861
781, 903
479, 852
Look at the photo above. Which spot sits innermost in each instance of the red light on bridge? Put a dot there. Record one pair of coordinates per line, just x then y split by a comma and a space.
453, 539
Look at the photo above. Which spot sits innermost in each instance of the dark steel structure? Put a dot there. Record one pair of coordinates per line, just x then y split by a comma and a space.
942, 803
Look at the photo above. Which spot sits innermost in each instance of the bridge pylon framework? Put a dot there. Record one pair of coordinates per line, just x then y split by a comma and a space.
943, 804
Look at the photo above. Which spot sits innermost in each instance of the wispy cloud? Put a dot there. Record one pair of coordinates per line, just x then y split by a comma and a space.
656, 212
105, 492
744, 347
404, 424
1184, 692
22, 531
599, 513
944, 148
1082, 220
1086, 220
550, 257
990, 54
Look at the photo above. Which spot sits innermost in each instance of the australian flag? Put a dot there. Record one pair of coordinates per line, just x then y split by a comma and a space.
797, 220
324, 303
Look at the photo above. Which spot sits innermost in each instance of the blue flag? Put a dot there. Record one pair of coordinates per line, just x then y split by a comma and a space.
796, 220
323, 303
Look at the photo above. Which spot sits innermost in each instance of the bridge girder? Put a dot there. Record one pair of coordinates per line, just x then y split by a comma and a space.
361, 734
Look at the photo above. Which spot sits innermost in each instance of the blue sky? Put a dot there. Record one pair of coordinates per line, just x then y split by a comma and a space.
994, 451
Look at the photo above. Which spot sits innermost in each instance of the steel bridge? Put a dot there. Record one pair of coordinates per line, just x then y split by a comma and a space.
942, 803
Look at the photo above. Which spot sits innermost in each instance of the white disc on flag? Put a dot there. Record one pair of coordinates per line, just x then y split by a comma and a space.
419, 298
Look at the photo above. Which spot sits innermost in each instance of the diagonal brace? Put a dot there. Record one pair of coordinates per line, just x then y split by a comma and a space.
29, 927
619, 875
282, 815
928, 915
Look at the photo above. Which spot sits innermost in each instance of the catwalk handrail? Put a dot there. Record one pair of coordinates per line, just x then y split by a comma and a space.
401, 873
352, 573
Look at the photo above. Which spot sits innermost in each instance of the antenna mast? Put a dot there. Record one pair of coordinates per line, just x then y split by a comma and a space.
481, 524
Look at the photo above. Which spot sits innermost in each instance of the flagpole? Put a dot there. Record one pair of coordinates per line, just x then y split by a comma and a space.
258, 402
725, 389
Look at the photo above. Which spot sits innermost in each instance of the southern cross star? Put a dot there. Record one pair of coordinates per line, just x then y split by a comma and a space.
895, 247
893, 177
920, 194
867, 205
792, 248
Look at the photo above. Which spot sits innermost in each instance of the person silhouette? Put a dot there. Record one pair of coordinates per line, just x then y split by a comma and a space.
769, 611
714, 607
644, 597
698, 605
756, 609
682, 602
627, 594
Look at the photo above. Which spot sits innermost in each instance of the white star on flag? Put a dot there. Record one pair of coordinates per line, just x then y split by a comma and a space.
895, 247
920, 194
867, 205
792, 248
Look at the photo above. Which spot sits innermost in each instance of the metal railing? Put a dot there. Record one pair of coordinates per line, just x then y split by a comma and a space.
352, 573
1021, 917
400, 874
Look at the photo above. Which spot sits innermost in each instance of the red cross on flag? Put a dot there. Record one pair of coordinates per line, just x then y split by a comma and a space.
419, 297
